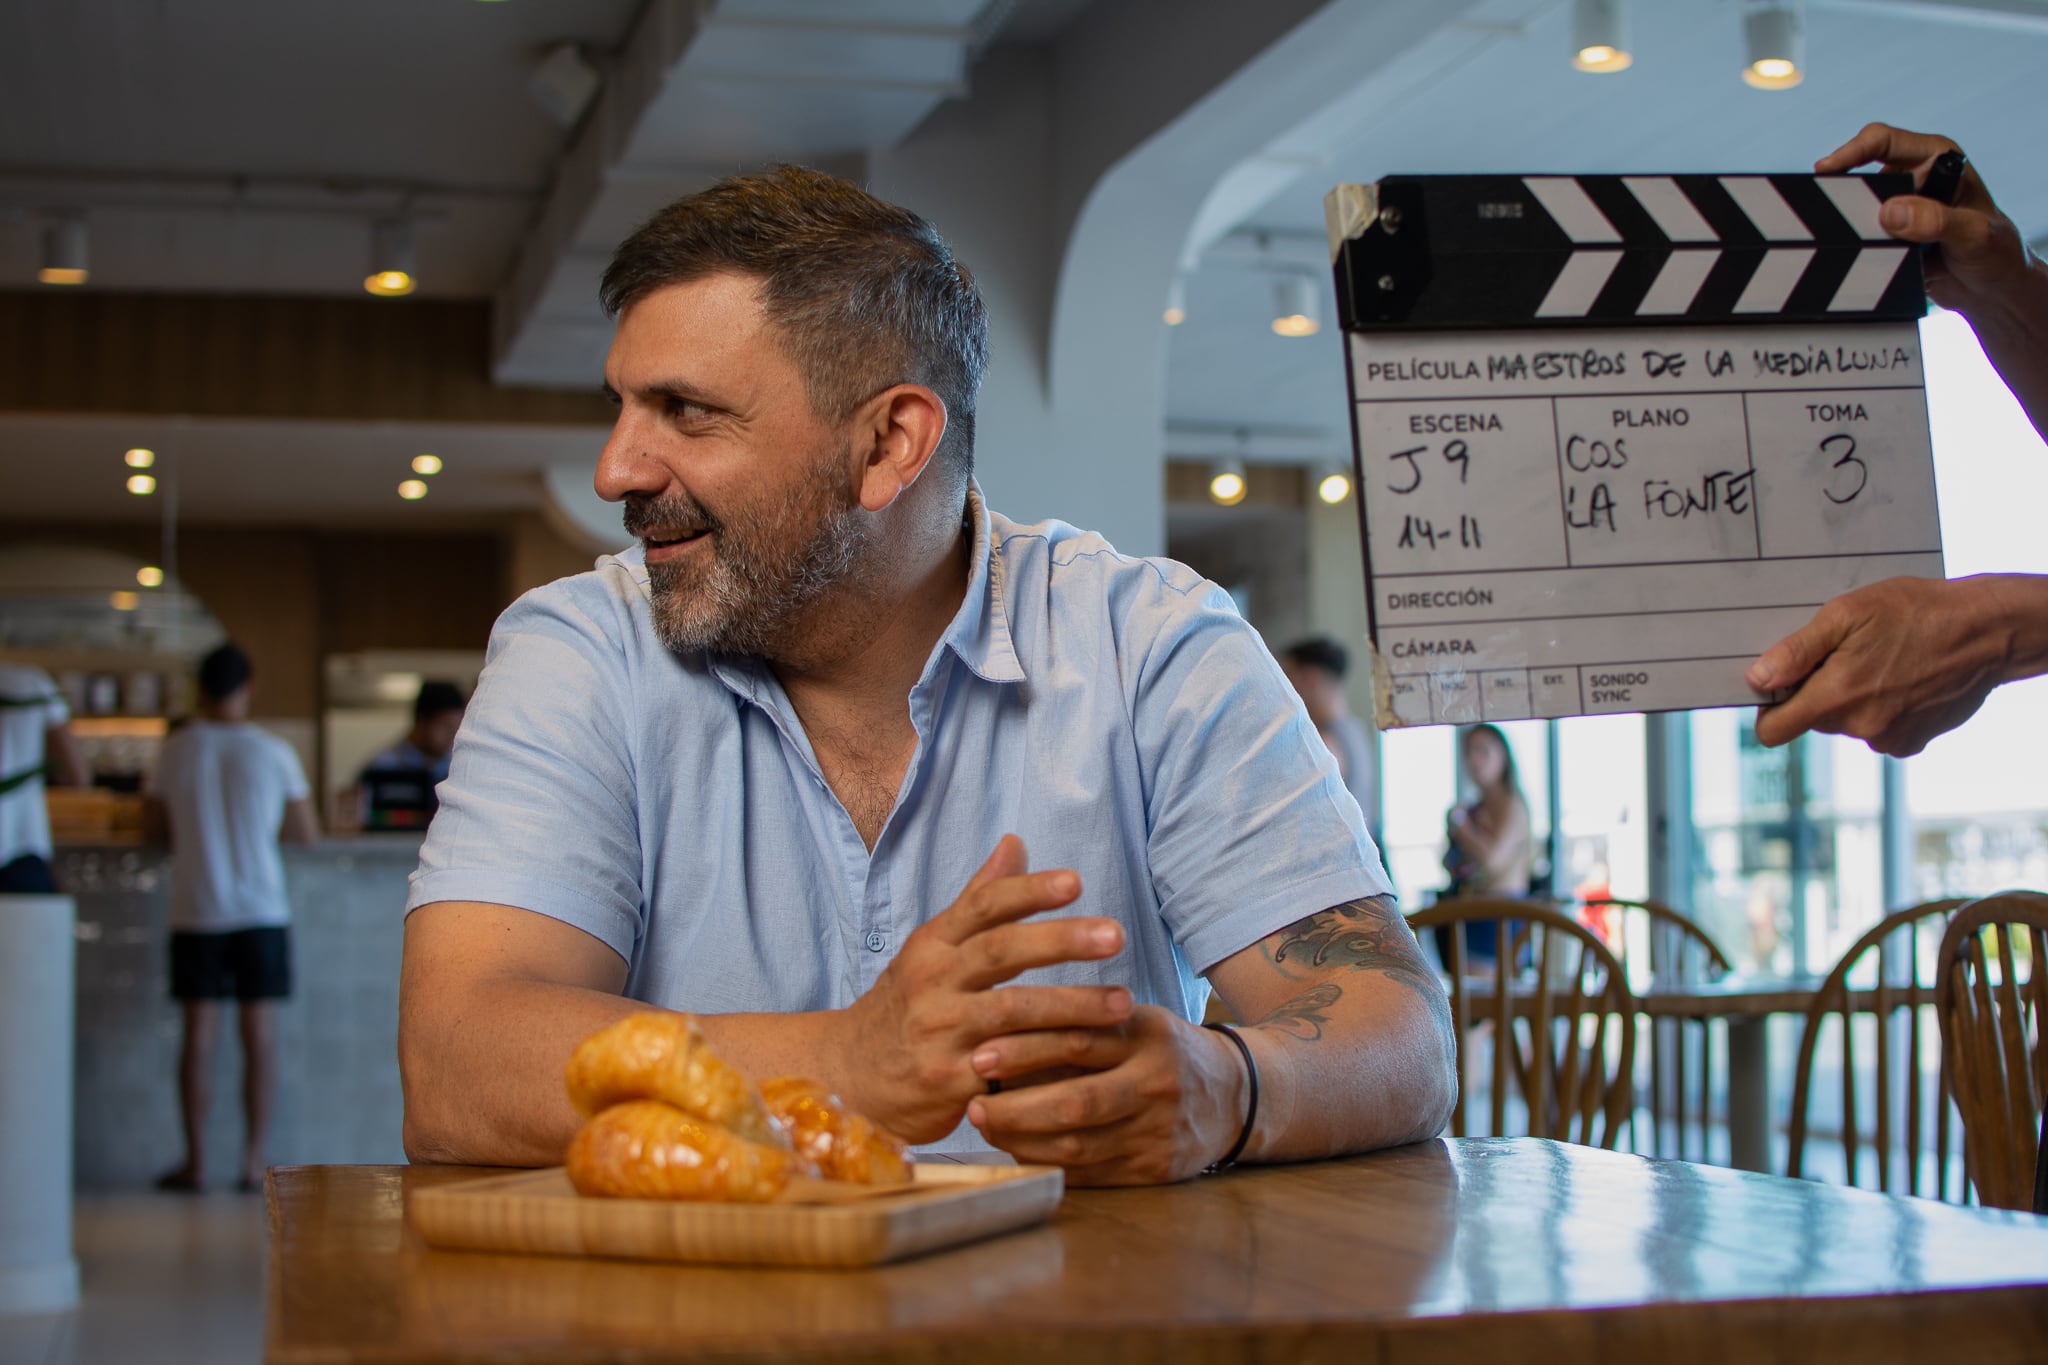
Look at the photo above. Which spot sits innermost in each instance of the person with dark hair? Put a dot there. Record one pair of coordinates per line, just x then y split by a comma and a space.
436, 716
225, 792
754, 768
1316, 667
36, 751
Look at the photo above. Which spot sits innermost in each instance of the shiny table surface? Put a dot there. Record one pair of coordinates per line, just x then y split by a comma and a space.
1486, 1249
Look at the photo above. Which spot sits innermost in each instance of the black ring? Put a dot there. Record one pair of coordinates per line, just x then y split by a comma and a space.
995, 1085
1251, 1111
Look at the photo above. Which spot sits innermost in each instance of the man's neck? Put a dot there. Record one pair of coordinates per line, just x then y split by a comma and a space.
866, 647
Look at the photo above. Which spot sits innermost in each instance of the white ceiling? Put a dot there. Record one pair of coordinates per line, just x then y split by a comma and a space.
1497, 93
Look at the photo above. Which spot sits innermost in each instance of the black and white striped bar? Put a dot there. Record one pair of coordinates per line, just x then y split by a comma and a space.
1490, 251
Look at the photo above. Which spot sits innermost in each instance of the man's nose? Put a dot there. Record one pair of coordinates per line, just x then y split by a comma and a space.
624, 468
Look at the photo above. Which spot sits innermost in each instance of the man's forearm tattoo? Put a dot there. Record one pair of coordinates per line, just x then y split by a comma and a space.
1363, 935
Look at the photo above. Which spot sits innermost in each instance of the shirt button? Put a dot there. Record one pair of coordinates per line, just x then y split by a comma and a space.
877, 940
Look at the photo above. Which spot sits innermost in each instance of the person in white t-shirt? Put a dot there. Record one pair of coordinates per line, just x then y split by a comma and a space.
227, 792
35, 751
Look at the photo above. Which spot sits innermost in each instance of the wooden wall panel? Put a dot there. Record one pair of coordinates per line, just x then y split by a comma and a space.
243, 356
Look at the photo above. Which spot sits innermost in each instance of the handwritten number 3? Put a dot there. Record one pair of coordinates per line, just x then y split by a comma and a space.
1847, 445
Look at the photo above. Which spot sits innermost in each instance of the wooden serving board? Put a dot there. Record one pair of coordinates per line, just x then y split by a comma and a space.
538, 1211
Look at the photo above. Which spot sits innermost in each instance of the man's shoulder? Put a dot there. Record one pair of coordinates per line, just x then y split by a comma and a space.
1064, 559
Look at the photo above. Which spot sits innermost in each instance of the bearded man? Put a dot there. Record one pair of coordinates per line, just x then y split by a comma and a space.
778, 766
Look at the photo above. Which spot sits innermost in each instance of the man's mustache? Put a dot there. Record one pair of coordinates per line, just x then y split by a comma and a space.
667, 518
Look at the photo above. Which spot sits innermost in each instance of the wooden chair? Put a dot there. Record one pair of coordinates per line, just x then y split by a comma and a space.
1550, 1021
1661, 949
1902, 1104
1993, 1004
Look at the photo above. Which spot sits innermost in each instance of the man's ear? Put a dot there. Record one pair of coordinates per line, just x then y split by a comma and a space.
901, 428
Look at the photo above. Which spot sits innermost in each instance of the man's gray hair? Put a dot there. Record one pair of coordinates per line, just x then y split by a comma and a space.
864, 293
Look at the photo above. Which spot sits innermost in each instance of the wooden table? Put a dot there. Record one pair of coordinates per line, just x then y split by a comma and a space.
1482, 1249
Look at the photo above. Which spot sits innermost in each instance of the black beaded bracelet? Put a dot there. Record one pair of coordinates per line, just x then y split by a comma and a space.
1251, 1110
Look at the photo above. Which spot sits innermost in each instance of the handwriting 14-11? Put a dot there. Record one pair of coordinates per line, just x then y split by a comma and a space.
1422, 531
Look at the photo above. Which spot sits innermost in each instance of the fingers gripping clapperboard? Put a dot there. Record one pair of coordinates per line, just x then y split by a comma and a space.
1616, 435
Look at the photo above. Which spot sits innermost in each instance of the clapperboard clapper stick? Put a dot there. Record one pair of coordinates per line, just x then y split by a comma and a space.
1615, 435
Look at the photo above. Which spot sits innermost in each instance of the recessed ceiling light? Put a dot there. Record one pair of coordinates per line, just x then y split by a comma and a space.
1335, 486
150, 576
141, 485
140, 458
412, 490
426, 464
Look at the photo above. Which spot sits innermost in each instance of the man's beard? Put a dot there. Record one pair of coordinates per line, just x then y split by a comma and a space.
767, 566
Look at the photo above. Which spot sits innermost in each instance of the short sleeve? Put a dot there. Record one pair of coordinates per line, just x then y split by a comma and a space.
538, 808
292, 772
1249, 826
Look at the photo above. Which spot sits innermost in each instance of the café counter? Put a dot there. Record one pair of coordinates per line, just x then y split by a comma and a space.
338, 1094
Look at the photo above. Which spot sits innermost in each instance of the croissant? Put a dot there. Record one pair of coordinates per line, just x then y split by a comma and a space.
662, 1056
844, 1145
645, 1149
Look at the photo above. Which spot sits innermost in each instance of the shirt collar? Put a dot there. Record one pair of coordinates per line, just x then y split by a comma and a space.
980, 631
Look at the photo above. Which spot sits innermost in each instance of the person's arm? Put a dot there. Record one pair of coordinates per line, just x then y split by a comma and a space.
1351, 1033
301, 825
1899, 662
492, 1000
1495, 851
65, 766
1985, 271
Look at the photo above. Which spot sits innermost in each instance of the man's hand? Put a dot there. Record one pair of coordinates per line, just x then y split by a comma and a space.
1160, 1099
911, 1039
1983, 259
1897, 663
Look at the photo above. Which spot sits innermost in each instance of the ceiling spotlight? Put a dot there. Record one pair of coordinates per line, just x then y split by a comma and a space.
141, 485
1177, 301
412, 490
123, 601
564, 84
1775, 31
150, 576
391, 260
1294, 307
140, 458
426, 464
1334, 486
1600, 35
1226, 482
63, 252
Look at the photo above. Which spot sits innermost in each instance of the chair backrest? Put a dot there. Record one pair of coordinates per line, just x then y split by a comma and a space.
1993, 1001
1909, 1119
1563, 1026
1657, 944
1661, 948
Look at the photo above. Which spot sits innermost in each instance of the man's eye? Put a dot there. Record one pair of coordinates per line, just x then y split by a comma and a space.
683, 410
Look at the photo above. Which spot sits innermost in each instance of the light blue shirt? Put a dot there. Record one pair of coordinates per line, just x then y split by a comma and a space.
1116, 713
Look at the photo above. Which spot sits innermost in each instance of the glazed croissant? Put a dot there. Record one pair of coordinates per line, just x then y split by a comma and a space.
844, 1145
645, 1149
670, 1119
660, 1056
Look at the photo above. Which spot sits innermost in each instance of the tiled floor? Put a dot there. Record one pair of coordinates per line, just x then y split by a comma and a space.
168, 1280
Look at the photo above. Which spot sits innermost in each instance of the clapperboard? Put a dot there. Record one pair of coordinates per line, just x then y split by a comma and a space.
1616, 435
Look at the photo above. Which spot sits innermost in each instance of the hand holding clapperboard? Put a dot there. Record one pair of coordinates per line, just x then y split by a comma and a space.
1617, 435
